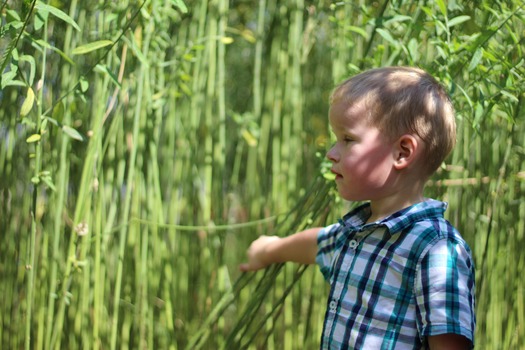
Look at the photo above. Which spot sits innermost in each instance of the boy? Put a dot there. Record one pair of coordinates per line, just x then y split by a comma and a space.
401, 276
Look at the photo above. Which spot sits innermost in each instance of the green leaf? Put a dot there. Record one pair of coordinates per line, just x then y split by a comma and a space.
180, 5
387, 36
7, 77
33, 138
509, 95
49, 182
329, 176
428, 11
249, 138
490, 56
84, 84
198, 47
57, 13
465, 95
457, 20
40, 19
136, 50
358, 30
43, 125
226, 40
442, 7
47, 46
482, 38
32, 65
12, 14
441, 25
248, 36
28, 103
81, 50
441, 52
478, 55
14, 55
413, 49
185, 88
53, 120
104, 69
58, 113
398, 18
72, 133
14, 83
185, 77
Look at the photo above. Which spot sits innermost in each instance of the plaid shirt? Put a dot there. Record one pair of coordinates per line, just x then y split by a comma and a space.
396, 281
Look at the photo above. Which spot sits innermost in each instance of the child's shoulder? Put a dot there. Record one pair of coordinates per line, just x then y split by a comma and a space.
435, 239
423, 226
434, 229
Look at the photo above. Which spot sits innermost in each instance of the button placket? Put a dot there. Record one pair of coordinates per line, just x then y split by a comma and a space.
333, 305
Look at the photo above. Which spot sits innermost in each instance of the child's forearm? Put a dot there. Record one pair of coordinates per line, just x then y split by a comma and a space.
300, 247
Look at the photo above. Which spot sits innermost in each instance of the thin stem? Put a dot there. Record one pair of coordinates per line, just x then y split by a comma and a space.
38, 165
130, 182
62, 180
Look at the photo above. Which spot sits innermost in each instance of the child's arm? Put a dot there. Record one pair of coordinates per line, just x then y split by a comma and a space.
448, 342
300, 247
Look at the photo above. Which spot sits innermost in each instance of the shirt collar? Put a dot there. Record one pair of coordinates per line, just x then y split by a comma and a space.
398, 221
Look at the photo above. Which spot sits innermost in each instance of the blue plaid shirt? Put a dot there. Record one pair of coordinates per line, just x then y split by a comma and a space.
396, 281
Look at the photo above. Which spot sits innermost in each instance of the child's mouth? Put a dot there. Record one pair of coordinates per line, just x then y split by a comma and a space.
337, 175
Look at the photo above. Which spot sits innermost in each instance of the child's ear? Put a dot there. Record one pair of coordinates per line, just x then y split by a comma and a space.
405, 151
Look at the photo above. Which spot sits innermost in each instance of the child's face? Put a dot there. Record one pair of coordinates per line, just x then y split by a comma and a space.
362, 158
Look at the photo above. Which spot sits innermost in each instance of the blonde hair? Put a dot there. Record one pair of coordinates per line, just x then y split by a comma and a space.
402, 100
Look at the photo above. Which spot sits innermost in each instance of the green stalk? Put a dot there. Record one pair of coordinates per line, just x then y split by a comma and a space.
97, 277
141, 282
257, 65
30, 281
275, 104
220, 145
258, 153
130, 182
208, 170
32, 242
378, 24
296, 103
339, 52
62, 180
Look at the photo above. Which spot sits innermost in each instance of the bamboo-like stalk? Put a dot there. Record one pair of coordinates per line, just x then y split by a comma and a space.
31, 267
62, 181
130, 183
167, 179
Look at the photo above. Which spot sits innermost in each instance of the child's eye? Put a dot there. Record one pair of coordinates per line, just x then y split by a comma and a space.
347, 139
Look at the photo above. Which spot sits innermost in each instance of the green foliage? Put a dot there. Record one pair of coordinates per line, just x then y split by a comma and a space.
143, 145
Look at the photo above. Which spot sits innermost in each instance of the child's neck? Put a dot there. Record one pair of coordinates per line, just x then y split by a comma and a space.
384, 207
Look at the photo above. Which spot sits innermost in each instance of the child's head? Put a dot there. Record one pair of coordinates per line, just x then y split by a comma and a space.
405, 100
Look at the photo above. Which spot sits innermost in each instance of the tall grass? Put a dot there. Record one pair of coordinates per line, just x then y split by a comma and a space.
143, 145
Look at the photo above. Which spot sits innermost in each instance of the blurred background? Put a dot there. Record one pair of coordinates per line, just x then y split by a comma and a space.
145, 144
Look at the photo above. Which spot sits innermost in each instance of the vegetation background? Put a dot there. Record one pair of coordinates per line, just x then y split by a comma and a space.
144, 144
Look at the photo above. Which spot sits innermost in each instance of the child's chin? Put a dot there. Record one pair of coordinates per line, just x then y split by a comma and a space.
344, 195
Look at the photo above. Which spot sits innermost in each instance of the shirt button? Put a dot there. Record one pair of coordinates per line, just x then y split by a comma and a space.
352, 244
333, 305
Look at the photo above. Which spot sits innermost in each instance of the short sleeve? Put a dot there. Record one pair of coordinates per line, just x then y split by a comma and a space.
326, 248
445, 292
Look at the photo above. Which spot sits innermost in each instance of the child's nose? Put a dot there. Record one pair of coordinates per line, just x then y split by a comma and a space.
332, 154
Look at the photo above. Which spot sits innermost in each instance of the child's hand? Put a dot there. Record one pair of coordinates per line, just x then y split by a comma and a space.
258, 254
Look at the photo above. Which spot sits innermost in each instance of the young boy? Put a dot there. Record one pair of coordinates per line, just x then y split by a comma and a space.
401, 276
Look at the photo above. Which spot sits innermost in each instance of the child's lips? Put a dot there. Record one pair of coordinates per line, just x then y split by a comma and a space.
337, 175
